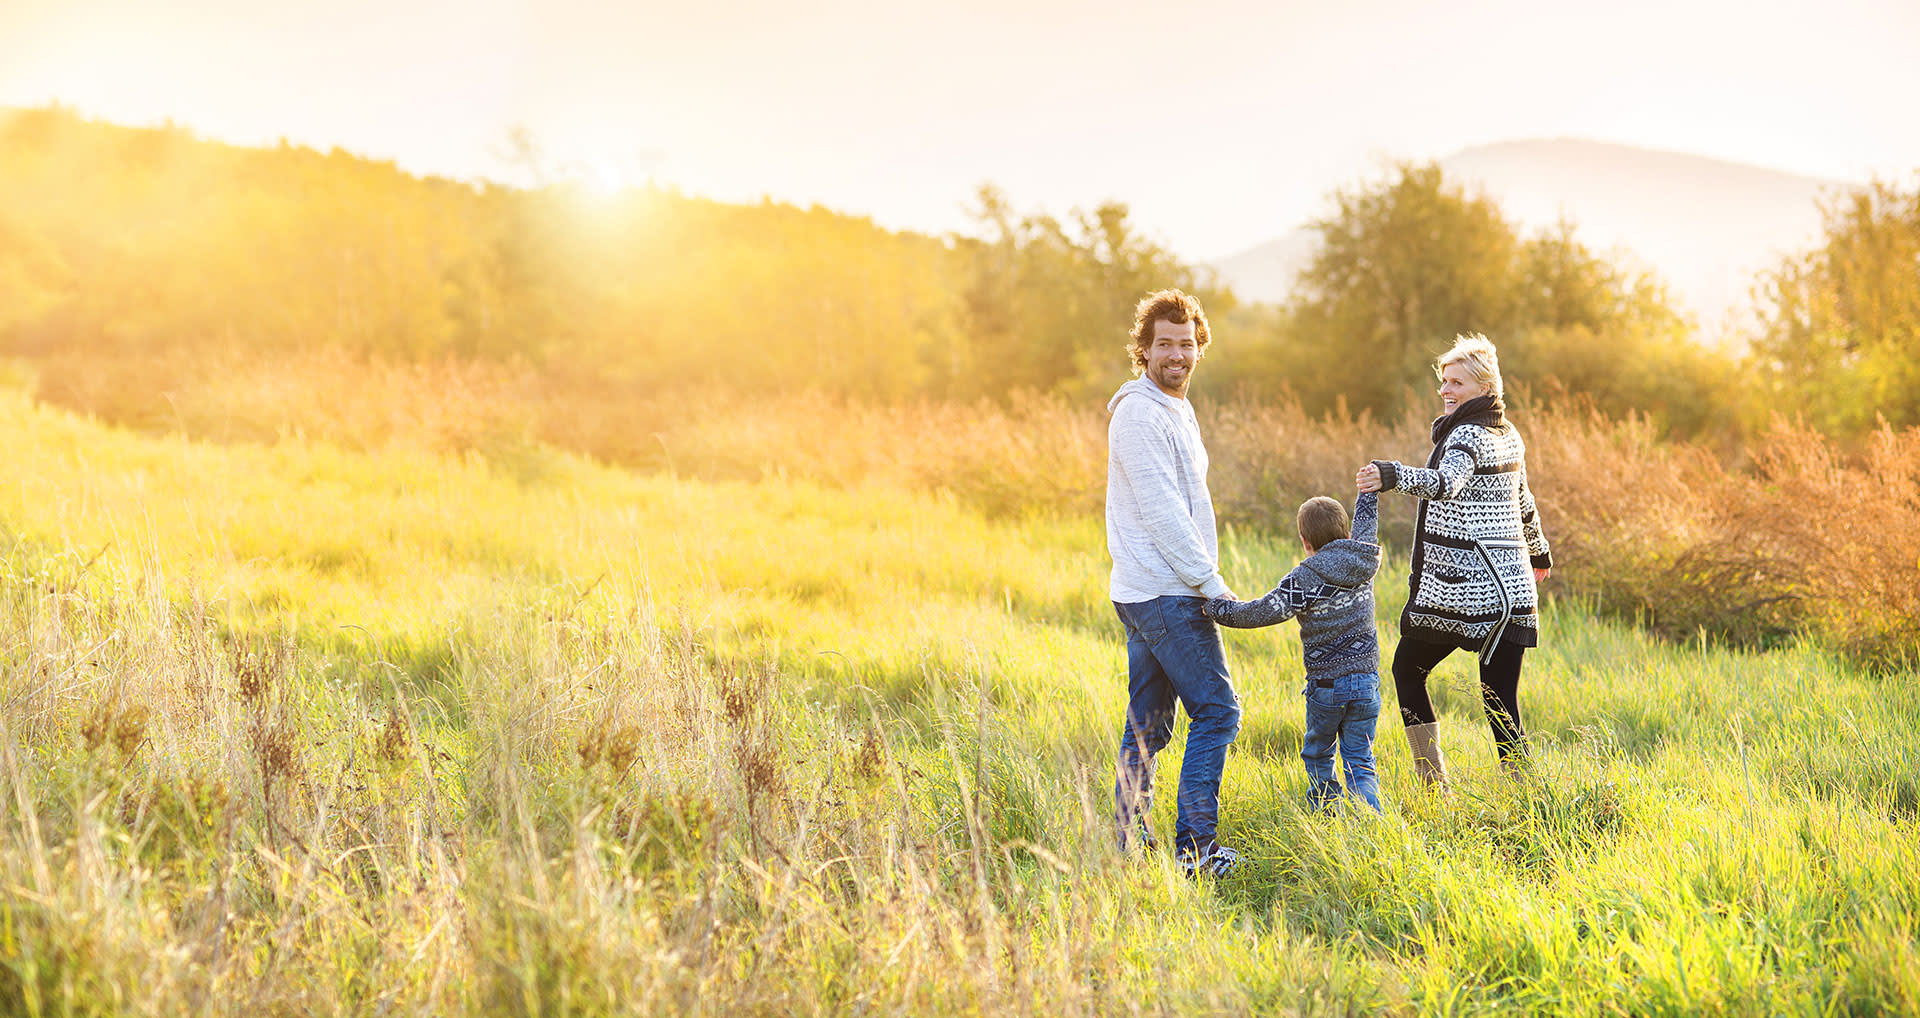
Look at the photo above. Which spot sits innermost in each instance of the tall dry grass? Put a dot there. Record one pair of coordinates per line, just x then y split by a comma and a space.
351, 398
1267, 458
1804, 537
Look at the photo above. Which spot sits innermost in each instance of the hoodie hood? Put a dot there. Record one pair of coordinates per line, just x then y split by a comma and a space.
1143, 386
1345, 563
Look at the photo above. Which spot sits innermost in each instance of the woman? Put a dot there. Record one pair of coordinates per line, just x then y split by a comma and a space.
1478, 553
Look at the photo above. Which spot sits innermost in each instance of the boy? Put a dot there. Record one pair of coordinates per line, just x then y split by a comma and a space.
1332, 593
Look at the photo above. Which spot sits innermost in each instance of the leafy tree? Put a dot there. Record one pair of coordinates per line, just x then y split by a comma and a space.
1408, 264
148, 244
1584, 326
1402, 268
1840, 325
1049, 303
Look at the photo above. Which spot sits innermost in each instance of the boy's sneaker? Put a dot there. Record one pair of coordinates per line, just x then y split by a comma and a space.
1138, 835
1209, 860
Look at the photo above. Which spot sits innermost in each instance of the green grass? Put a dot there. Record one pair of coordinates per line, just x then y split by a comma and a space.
288, 729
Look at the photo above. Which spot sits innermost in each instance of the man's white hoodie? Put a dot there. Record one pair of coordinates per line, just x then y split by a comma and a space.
1160, 525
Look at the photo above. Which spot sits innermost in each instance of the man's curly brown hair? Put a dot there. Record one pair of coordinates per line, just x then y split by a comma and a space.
1174, 306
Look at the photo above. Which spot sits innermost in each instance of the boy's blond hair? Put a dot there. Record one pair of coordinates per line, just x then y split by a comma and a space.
1481, 360
1323, 521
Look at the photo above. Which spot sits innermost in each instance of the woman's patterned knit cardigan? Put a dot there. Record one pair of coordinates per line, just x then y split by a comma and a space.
1475, 511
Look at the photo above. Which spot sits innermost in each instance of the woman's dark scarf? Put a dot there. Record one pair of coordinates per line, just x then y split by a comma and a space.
1486, 411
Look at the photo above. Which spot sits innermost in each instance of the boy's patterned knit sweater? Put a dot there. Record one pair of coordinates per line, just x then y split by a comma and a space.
1332, 593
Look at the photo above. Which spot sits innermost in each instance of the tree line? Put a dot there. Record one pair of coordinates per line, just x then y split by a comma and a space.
124, 244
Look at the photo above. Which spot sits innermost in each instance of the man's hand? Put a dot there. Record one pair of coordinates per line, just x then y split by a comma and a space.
1540, 575
1368, 479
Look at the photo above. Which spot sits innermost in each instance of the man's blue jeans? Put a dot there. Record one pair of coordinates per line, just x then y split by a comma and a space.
1174, 654
1342, 715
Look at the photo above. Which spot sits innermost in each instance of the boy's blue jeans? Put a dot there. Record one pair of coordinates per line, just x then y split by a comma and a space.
1174, 654
1342, 715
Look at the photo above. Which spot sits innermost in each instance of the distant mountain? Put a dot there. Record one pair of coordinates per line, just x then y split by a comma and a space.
1266, 271
1705, 226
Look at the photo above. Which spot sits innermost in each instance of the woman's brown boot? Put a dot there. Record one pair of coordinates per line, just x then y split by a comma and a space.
1428, 761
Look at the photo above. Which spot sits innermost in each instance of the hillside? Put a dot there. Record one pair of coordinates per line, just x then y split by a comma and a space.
1706, 226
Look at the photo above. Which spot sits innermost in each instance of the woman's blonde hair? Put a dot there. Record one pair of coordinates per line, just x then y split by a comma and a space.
1481, 359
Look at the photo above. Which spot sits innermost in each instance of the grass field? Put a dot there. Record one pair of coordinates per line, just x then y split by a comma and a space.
289, 729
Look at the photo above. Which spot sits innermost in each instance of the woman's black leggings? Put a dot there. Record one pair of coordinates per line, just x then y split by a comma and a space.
1499, 687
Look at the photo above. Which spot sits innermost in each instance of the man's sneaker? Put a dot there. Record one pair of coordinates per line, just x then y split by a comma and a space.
1209, 860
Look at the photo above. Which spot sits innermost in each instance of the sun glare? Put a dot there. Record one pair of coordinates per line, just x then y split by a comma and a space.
602, 179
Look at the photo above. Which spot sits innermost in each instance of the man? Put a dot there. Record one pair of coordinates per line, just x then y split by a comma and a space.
1165, 566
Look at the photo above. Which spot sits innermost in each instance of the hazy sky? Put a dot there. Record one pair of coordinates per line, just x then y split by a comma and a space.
1222, 124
